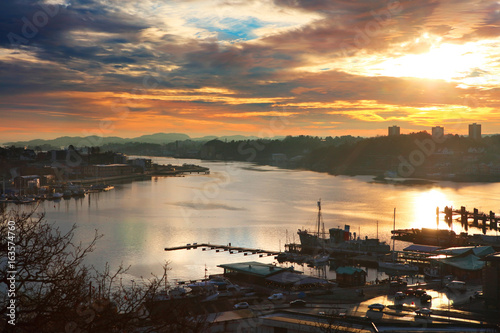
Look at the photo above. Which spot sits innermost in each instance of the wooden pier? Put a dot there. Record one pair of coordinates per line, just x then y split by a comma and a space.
479, 219
224, 248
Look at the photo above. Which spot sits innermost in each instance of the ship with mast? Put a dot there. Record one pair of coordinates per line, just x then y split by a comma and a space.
339, 241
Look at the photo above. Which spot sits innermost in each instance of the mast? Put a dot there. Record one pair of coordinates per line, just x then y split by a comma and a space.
393, 234
319, 216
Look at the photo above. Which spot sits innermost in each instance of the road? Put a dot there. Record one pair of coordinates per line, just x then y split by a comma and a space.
398, 310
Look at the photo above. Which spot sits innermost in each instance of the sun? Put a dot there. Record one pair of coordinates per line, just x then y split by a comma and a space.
424, 206
444, 61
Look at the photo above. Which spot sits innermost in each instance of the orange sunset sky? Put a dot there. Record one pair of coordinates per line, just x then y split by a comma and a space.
252, 67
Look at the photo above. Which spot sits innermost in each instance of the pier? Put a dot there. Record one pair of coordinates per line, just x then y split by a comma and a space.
479, 219
223, 248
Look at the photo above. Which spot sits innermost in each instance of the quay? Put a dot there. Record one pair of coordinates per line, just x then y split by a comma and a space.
218, 248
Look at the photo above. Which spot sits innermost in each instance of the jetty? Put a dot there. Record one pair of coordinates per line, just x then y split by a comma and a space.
224, 248
478, 219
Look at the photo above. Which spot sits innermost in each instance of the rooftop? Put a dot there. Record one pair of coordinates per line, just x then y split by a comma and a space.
254, 268
469, 262
349, 270
492, 257
479, 251
421, 248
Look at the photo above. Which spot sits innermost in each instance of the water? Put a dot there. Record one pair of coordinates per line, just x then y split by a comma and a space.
246, 205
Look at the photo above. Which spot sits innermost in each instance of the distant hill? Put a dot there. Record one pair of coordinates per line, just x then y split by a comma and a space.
94, 140
65, 141
160, 138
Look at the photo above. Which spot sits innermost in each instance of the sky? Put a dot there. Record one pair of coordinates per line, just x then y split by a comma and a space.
251, 67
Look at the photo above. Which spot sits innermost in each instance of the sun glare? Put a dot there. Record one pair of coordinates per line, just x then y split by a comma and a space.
425, 209
446, 62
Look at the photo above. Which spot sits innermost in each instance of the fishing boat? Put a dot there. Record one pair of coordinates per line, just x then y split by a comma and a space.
340, 240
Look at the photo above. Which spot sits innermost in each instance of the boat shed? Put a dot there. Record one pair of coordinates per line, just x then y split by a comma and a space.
251, 271
465, 267
350, 276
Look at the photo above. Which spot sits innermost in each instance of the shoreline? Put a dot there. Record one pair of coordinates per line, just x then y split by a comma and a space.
415, 180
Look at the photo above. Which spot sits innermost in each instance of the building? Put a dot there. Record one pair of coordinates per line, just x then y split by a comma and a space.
31, 182
491, 282
475, 131
465, 263
144, 163
288, 280
107, 170
437, 132
394, 130
252, 271
350, 276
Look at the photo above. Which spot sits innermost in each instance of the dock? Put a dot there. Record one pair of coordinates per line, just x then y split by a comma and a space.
224, 248
479, 219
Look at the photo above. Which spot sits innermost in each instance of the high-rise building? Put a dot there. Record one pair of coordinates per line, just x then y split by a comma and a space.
475, 131
394, 130
437, 132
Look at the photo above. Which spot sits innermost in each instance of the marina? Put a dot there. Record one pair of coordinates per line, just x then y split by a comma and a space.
145, 221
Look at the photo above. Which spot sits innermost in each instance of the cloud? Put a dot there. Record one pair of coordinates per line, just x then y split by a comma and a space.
334, 64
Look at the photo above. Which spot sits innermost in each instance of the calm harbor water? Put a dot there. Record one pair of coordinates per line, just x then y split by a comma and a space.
246, 205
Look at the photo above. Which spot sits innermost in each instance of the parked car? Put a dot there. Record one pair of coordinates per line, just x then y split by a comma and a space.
275, 297
376, 306
457, 285
425, 298
399, 295
410, 292
423, 312
419, 292
241, 305
298, 303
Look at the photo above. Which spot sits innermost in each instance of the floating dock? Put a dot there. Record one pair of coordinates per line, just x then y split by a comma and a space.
227, 248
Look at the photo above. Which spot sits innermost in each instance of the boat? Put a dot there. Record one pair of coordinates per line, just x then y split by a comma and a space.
102, 187
428, 236
56, 195
398, 267
340, 241
318, 260
67, 194
79, 192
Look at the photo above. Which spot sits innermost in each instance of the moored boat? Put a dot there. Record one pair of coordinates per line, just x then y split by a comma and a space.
340, 240
398, 267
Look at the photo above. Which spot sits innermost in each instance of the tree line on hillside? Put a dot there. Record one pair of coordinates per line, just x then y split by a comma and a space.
418, 152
